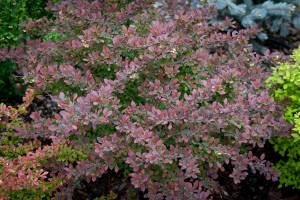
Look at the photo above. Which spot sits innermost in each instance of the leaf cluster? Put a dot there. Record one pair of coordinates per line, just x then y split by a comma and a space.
284, 83
289, 165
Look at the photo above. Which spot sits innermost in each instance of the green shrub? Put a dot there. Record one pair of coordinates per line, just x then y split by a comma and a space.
289, 167
284, 83
12, 13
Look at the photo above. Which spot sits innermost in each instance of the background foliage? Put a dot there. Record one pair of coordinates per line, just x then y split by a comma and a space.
13, 13
280, 18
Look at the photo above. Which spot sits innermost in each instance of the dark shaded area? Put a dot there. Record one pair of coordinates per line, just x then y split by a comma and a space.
255, 186
109, 182
283, 44
11, 85
45, 105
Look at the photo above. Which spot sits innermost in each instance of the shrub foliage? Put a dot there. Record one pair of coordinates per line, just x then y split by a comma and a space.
289, 165
284, 83
168, 100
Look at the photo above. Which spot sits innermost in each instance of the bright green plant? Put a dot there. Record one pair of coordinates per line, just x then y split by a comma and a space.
12, 13
290, 167
54, 36
284, 83
68, 154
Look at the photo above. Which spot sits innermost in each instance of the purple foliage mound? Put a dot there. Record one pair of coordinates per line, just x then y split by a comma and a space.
168, 100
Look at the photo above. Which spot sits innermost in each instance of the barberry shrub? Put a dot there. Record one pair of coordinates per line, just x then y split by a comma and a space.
169, 100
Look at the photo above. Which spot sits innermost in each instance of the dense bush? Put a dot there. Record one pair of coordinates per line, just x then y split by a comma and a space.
284, 83
289, 166
166, 101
